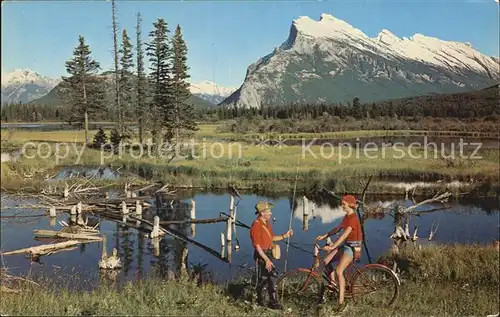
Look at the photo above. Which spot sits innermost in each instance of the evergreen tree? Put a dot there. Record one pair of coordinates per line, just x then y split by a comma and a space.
184, 119
125, 80
83, 88
117, 103
158, 50
115, 139
141, 82
356, 107
100, 138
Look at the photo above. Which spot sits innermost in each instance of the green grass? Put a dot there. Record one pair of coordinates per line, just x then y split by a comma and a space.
152, 297
210, 131
431, 299
456, 264
428, 291
267, 168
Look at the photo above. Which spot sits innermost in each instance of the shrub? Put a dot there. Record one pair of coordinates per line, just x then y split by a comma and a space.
100, 138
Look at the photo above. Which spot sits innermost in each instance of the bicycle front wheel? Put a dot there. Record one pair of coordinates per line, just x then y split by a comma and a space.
299, 285
375, 285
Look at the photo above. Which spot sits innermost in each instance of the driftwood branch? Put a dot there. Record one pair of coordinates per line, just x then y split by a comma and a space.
43, 249
65, 235
437, 198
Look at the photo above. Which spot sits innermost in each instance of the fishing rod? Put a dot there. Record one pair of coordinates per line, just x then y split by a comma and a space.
237, 246
291, 212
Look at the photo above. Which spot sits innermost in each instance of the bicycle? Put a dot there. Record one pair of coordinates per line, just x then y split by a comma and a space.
360, 282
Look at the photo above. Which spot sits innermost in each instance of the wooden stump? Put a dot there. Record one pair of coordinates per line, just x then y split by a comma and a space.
193, 210
66, 191
124, 208
229, 225
138, 208
52, 212
193, 230
155, 233
223, 245
305, 223
156, 246
222, 240
305, 206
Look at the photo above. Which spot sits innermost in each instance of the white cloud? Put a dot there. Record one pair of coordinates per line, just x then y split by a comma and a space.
497, 1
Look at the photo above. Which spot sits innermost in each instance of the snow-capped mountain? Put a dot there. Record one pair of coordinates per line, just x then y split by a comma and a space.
53, 97
25, 85
211, 91
331, 61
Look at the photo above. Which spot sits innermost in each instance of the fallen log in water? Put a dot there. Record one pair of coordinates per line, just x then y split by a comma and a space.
239, 223
43, 249
96, 206
65, 235
210, 220
182, 237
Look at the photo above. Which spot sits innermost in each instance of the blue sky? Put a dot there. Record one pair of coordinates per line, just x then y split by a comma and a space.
224, 37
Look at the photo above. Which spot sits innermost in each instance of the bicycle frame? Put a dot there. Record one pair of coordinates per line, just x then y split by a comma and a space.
316, 272
353, 273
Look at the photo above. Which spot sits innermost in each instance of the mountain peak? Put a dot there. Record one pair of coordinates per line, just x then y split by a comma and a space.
328, 26
329, 60
210, 88
387, 37
24, 85
24, 76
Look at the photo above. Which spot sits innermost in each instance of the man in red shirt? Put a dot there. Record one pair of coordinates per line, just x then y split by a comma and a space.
263, 237
350, 240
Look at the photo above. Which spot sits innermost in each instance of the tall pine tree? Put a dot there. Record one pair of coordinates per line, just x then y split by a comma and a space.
158, 50
117, 102
183, 112
125, 80
83, 89
141, 82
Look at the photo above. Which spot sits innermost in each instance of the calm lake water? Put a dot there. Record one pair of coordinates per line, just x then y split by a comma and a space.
466, 221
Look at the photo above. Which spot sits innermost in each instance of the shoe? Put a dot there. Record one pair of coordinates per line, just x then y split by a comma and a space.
273, 302
341, 307
275, 305
261, 303
322, 296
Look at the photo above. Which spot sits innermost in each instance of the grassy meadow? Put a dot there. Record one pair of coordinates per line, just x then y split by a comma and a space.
210, 164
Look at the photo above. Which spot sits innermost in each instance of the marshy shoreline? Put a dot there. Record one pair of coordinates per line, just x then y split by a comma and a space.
436, 280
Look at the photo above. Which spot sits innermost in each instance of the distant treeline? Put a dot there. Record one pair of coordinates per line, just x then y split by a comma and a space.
40, 112
476, 111
467, 106
32, 113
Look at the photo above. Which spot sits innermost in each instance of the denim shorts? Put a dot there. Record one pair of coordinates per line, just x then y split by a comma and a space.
348, 250
348, 247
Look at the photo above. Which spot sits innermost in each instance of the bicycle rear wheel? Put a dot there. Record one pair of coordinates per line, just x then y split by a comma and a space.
299, 285
375, 285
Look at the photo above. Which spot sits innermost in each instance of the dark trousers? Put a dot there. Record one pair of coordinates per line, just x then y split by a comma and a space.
265, 278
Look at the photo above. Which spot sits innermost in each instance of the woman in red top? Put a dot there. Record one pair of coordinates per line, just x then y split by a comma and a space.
349, 241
